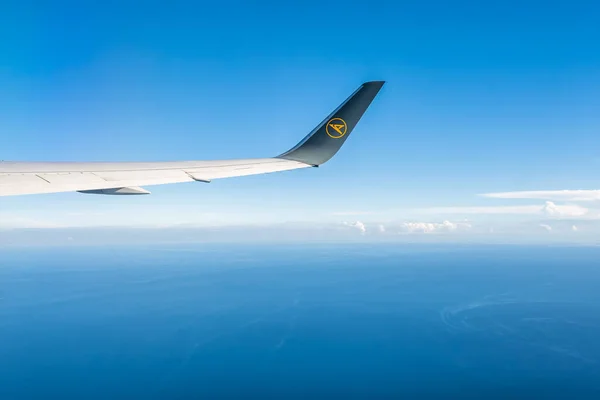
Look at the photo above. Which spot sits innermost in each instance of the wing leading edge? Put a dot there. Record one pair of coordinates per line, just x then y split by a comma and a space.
127, 178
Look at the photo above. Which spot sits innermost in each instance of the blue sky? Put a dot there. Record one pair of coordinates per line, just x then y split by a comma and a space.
479, 98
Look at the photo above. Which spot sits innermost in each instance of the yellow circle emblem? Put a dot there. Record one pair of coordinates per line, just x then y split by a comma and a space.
336, 128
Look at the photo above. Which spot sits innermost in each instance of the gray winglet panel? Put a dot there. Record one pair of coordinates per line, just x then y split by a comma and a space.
329, 136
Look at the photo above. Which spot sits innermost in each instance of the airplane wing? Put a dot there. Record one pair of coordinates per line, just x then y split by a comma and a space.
127, 178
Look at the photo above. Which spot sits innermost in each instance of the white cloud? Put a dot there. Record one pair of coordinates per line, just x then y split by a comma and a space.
546, 227
574, 228
432, 227
407, 227
358, 225
347, 213
8, 221
528, 209
135, 215
557, 195
569, 210
549, 209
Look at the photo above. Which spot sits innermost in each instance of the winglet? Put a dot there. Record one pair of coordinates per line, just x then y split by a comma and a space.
328, 137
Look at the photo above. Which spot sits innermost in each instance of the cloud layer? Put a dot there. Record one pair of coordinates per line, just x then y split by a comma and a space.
567, 214
555, 195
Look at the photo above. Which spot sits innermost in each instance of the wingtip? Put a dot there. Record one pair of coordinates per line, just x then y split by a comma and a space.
321, 144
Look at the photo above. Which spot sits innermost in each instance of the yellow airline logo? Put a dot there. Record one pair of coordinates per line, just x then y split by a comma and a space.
336, 128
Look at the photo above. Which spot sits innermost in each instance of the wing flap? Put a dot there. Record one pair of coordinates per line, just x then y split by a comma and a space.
142, 175
18, 179
70, 178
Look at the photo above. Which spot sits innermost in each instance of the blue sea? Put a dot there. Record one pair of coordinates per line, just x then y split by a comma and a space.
363, 321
